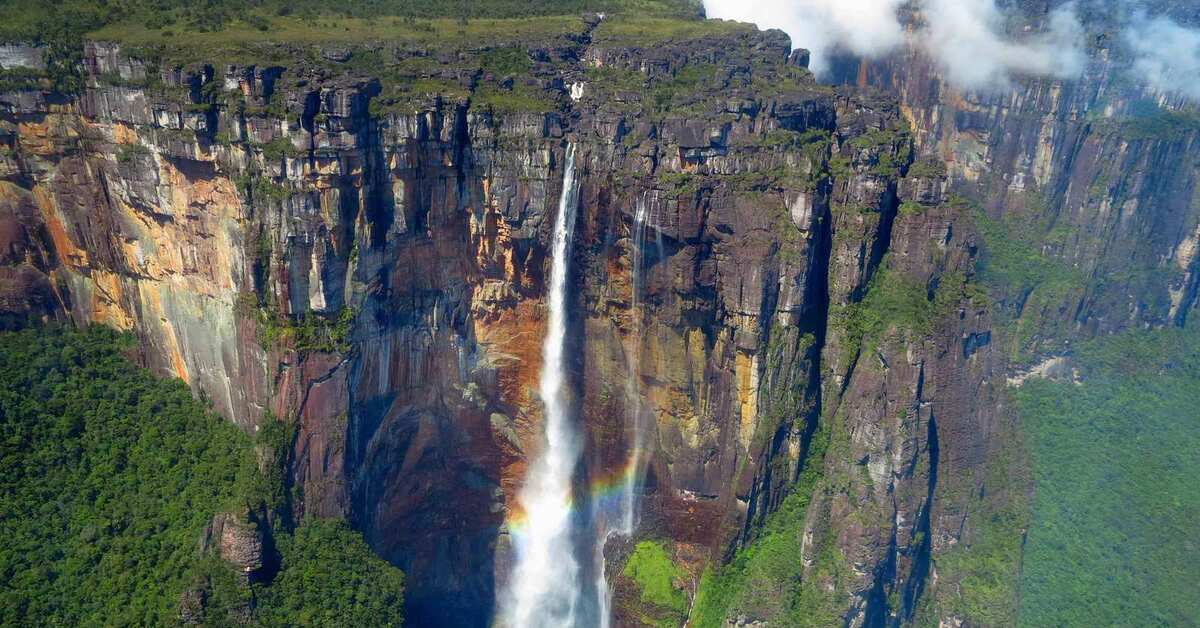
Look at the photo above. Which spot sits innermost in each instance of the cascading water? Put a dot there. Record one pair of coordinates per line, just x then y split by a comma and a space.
625, 518
633, 382
544, 589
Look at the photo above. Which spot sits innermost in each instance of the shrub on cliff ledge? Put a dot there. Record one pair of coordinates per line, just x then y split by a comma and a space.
651, 567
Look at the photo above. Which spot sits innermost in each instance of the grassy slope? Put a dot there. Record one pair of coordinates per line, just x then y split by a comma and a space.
764, 575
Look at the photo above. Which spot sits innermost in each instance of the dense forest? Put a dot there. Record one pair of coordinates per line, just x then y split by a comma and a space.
1116, 452
108, 477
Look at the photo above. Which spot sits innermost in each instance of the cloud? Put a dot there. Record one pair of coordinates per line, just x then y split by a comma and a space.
865, 27
965, 37
1166, 55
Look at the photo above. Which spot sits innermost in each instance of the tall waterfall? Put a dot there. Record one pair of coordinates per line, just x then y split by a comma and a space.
545, 588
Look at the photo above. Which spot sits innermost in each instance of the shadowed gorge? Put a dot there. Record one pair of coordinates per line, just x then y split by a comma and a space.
602, 313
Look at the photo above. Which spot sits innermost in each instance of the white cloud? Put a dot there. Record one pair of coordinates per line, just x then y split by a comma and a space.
865, 27
965, 37
1166, 56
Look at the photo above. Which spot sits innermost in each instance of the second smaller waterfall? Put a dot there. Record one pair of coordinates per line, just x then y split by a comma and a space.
624, 519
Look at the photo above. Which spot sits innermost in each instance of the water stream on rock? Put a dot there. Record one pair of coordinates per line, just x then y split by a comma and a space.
626, 515
634, 381
544, 589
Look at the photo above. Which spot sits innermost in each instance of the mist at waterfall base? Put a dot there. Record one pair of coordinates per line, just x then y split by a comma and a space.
558, 575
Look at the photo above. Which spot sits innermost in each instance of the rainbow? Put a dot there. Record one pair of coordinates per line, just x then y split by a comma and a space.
606, 495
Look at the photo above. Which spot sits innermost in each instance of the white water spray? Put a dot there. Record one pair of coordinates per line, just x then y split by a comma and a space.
544, 590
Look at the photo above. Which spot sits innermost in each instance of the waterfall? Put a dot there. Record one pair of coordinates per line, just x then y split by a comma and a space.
626, 518
634, 381
544, 589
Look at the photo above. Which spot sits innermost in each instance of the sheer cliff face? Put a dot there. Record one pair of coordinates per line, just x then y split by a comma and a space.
1086, 213
376, 274
1101, 172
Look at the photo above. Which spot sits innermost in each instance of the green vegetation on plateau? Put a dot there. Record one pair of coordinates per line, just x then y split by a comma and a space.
1114, 539
35, 20
109, 475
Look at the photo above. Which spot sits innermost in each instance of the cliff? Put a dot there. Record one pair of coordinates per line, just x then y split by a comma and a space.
1083, 198
1087, 186
354, 236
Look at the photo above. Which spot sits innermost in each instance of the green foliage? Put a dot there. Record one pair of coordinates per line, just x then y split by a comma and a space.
331, 578
927, 169
783, 138
615, 78
129, 153
508, 61
1114, 538
279, 148
684, 183
840, 167
1149, 121
57, 27
651, 567
764, 577
889, 150
651, 30
876, 138
1018, 267
22, 79
404, 94
892, 302
675, 93
310, 332
108, 476
519, 98
987, 568
257, 188
29, 19
184, 30
274, 441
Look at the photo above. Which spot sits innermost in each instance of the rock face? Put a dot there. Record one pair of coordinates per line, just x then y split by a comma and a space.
1102, 172
1085, 213
238, 541
300, 240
